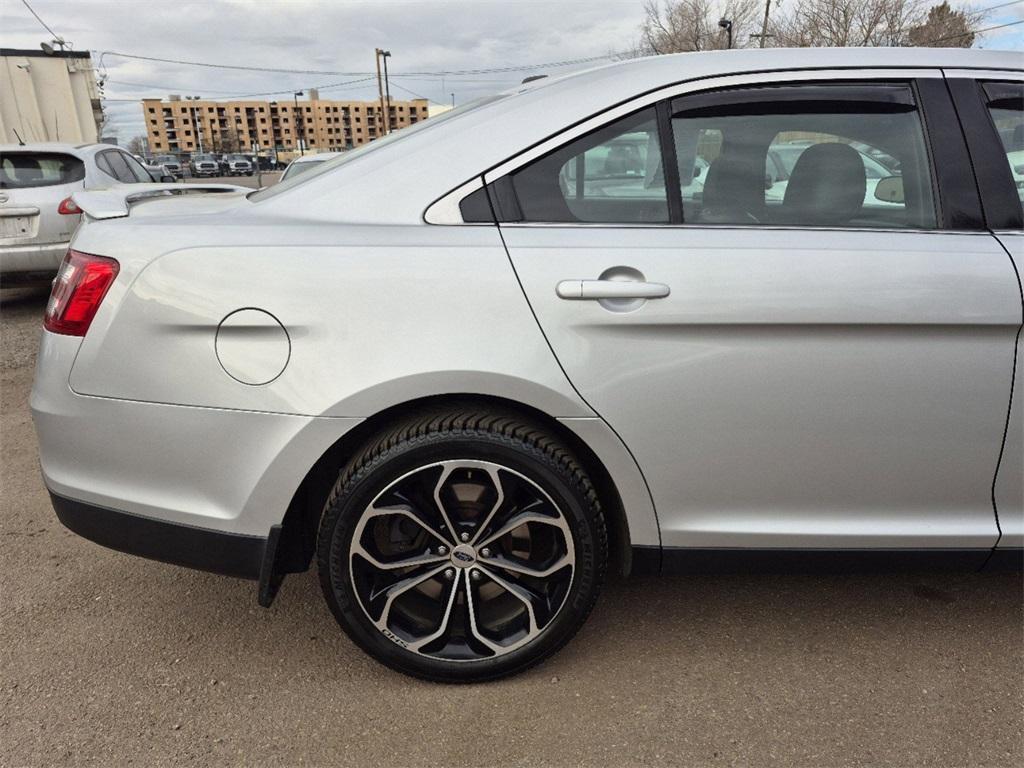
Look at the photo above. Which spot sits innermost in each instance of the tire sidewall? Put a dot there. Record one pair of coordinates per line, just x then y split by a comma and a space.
367, 482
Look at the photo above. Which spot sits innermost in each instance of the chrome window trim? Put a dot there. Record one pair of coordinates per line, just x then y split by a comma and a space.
448, 205
985, 74
742, 227
445, 210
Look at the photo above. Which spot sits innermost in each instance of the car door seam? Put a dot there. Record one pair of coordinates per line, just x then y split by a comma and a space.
544, 335
1013, 384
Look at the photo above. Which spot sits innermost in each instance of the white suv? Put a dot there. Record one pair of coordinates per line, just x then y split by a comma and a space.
37, 215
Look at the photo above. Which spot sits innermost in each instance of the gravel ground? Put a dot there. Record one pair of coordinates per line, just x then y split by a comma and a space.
110, 660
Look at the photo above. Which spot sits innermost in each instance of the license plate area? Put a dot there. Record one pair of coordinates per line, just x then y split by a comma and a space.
18, 227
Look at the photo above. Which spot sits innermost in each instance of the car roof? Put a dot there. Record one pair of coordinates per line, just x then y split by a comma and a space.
81, 151
372, 185
45, 146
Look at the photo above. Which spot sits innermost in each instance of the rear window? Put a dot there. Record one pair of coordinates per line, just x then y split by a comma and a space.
19, 170
296, 168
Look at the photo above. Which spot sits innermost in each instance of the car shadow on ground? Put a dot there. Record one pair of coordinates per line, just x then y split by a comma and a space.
647, 623
31, 296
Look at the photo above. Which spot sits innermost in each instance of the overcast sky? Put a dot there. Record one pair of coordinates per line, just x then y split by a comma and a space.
426, 36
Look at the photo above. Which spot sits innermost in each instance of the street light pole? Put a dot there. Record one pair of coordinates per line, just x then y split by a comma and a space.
197, 125
726, 24
298, 122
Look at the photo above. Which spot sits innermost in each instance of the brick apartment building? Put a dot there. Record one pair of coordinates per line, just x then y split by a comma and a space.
176, 125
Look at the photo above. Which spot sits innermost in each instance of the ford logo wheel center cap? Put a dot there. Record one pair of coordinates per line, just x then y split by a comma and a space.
463, 556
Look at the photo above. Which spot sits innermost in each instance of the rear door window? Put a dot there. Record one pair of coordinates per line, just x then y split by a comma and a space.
837, 155
20, 170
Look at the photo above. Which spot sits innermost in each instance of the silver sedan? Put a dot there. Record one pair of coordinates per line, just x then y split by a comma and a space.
473, 366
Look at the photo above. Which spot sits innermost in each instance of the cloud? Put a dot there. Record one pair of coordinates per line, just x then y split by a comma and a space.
339, 36
336, 36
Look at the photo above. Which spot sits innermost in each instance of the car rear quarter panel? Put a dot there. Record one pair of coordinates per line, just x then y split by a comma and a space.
423, 311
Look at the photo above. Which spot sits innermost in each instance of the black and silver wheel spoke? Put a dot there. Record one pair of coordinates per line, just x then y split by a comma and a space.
396, 590
515, 566
462, 560
445, 622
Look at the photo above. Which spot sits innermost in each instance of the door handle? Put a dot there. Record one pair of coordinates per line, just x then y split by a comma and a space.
611, 289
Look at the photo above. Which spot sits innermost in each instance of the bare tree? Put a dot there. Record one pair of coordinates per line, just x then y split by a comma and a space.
830, 23
674, 26
671, 26
229, 142
946, 27
137, 145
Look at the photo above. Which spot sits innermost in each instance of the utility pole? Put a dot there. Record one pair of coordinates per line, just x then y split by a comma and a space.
387, 87
764, 26
380, 85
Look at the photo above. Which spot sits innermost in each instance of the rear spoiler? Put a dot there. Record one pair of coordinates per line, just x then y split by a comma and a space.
114, 203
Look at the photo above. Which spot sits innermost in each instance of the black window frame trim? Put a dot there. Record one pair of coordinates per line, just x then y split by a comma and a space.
884, 95
993, 179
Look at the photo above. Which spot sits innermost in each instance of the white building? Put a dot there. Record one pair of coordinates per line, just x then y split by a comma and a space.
48, 97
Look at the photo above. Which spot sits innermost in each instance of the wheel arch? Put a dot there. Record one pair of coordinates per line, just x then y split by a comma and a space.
298, 533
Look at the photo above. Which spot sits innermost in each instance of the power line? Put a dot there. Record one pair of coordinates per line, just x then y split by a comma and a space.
47, 26
435, 73
417, 95
975, 32
997, 7
239, 94
171, 87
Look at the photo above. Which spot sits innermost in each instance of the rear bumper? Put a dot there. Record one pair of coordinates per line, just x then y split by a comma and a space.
230, 554
16, 259
222, 471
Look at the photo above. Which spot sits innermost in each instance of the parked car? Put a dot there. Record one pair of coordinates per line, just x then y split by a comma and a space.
468, 389
304, 163
204, 165
172, 163
157, 171
237, 165
37, 215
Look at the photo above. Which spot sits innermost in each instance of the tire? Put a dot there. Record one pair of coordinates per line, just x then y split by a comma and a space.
491, 581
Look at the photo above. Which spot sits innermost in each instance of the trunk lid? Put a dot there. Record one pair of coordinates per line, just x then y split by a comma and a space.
117, 202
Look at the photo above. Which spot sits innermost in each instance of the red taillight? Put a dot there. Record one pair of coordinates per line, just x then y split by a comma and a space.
81, 284
68, 207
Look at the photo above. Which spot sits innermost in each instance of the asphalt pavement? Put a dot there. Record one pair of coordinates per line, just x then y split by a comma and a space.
110, 660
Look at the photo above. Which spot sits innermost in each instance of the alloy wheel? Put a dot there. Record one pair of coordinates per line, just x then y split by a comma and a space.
462, 560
